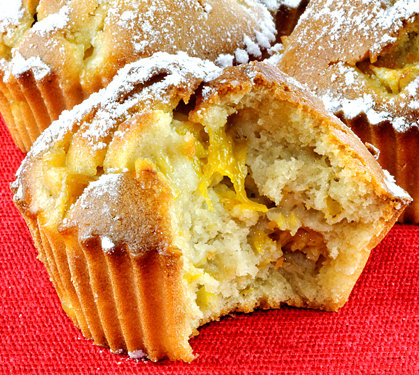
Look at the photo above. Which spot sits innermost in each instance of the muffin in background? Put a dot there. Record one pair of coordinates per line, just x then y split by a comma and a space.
55, 54
362, 59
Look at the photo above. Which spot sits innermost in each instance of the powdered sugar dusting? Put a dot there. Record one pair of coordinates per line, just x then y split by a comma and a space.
53, 22
102, 185
328, 42
274, 5
393, 187
276, 53
107, 244
412, 87
372, 20
178, 68
351, 108
224, 60
108, 185
176, 71
137, 354
252, 47
20, 65
149, 30
11, 14
154, 26
241, 56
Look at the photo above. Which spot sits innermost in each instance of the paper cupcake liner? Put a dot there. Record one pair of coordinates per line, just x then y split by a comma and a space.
287, 18
398, 152
131, 304
29, 105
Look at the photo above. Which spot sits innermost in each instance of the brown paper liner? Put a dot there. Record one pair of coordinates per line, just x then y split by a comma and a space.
286, 18
398, 154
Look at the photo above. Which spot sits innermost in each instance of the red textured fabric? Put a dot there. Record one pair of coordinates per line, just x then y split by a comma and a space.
375, 333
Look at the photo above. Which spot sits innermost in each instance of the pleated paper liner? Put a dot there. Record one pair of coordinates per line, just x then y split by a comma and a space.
129, 303
398, 154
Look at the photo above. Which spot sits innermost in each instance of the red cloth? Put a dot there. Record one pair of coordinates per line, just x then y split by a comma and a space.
375, 333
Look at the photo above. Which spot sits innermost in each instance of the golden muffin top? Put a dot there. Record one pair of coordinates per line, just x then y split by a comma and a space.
87, 42
360, 57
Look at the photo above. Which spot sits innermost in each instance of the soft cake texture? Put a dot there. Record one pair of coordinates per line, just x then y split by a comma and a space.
54, 54
361, 58
182, 193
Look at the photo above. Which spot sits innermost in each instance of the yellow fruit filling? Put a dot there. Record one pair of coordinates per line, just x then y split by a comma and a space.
395, 80
227, 158
220, 156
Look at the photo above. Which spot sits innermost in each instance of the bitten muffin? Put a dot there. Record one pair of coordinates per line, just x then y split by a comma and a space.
361, 58
164, 202
54, 54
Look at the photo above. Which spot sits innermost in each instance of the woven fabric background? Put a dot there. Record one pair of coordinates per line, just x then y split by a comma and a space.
376, 332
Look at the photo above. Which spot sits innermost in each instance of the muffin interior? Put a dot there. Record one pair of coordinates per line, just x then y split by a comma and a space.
280, 219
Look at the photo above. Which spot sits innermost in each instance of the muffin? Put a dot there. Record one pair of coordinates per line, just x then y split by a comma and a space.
182, 193
55, 54
361, 58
